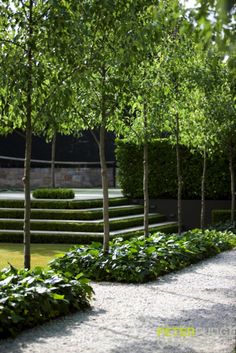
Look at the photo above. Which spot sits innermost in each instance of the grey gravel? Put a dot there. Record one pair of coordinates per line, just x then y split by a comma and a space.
125, 318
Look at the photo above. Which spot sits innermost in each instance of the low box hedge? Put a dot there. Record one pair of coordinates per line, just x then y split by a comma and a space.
57, 193
220, 216
63, 204
29, 298
70, 238
78, 226
165, 228
68, 214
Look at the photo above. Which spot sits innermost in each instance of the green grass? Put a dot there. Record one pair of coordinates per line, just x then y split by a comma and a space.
41, 254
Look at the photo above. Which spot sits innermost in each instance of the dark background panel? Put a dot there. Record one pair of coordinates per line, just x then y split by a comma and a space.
68, 148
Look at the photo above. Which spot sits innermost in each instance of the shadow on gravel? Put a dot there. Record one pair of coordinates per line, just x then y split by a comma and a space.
222, 292
214, 328
212, 320
146, 347
214, 332
60, 327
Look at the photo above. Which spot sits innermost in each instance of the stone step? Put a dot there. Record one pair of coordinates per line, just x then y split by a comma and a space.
84, 224
80, 226
85, 237
89, 213
141, 228
99, 221
128, 206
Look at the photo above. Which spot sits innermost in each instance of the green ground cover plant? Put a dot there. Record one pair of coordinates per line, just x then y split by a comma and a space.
55, 193
29, 298
143, 259
224, 226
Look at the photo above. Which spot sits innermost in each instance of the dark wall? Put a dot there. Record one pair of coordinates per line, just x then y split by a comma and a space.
68, 148
191, 210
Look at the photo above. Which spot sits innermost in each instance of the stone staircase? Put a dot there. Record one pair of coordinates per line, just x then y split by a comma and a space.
77, 221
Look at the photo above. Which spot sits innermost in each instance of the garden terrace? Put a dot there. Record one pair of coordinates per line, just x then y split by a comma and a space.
77, 221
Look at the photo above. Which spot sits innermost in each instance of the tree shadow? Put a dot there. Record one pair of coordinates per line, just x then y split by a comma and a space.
145, 346
212, 318
214, 331
62, 326
208, 316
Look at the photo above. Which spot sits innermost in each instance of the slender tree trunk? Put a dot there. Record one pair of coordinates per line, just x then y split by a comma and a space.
179, 177
28, 144
53, 156
145, 180
106, 226
145, 189
232, 181
27, 203
203, 204
101, 146
104, 175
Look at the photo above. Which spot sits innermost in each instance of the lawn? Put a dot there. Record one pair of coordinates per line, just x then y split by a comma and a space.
40, 254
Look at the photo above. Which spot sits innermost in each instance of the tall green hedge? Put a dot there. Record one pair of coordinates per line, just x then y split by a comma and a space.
162, 175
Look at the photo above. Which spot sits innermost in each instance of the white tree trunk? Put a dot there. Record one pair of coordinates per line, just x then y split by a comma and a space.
28, 144
104, 176
232, 182
203, 183
145, 189
53, 156
179, 177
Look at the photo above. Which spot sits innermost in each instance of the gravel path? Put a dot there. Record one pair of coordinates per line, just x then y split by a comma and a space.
131, 318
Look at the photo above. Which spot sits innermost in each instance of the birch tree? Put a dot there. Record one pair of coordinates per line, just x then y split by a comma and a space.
112, 29
31, 73
145, 95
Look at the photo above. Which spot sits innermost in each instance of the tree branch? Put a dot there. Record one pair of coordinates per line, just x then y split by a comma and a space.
95, 137
12, 42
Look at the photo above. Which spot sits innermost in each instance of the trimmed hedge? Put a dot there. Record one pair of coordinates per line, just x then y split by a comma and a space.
29, 298
70, 238
62, 204
220, 216
56, 193
162, 175
79, 226
69, 214
50, 238
143, 259
166, 229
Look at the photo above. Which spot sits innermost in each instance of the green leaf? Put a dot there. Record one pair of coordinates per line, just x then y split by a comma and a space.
57, 296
